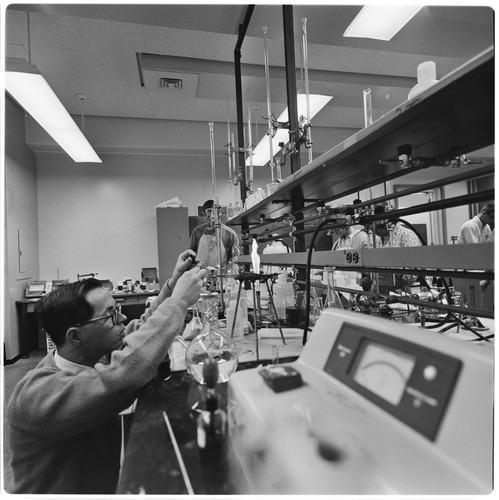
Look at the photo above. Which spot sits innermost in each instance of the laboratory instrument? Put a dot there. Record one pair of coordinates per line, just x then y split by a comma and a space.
37, 289
384, 408
211, 344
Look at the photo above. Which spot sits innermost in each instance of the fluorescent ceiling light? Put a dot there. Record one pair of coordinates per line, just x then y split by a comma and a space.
28, 87
381, 22
261, 153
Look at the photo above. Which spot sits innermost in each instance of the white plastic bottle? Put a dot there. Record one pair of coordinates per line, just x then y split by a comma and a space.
275, 247
283, 296
427, 76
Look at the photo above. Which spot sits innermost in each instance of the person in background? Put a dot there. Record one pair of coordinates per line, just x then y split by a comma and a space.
479, 228
393, 233
204, 241
63, 415
349, 238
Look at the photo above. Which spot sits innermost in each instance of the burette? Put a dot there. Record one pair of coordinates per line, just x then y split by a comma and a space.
233, 177
229, 149
216, 209
307, 95
269, 108
250, 151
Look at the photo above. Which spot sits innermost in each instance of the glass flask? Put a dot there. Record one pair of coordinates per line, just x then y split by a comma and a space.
211, 344
333, 297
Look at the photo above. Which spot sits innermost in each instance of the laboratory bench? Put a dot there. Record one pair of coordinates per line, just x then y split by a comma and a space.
164, 424
150, 463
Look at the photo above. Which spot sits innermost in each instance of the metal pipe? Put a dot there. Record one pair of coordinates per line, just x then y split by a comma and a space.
239, 98
289, 55
468, 174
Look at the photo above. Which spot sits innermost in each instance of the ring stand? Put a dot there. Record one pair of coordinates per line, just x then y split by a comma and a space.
253, 278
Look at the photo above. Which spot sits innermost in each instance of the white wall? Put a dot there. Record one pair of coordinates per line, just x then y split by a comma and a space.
21, 216
100, 218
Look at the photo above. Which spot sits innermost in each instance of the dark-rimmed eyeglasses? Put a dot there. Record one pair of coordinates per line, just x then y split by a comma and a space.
114, 315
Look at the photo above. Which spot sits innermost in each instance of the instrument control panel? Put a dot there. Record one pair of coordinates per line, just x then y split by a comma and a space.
37, 289
410, 381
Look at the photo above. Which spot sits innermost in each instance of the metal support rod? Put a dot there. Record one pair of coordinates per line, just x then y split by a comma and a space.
289, 56
289, 53
274, 310
269, 107
307, 91
218, 241
239, 98
456, 201
256, 320
489, 169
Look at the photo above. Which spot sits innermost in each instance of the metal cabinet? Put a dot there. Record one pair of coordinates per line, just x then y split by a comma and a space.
173, 238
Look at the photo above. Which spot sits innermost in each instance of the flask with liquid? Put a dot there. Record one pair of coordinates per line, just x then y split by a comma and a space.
211, 343
333, 297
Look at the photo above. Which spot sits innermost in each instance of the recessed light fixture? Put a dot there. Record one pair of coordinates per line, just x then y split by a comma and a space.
29, 88
381, 22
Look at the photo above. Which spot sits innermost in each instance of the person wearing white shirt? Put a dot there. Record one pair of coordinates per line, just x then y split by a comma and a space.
350, 238
478, 229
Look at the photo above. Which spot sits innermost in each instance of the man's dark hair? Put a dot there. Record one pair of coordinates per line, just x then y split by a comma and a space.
488, 209
64, 307
208, 204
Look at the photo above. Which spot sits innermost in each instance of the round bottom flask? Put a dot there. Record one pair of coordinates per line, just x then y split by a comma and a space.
211, 344
214, 345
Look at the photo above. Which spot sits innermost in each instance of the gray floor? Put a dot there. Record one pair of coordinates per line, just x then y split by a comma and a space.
12, 374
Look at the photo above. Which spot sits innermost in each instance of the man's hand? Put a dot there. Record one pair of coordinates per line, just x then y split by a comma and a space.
186, 260
189, 286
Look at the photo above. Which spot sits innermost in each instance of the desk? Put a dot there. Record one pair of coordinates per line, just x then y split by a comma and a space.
30, 332
133, 304
28, 327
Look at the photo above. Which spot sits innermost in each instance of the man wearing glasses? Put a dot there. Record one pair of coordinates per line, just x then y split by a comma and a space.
65, 431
